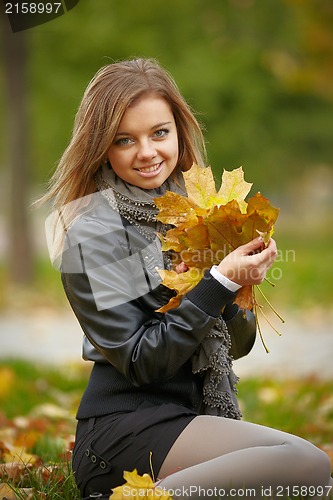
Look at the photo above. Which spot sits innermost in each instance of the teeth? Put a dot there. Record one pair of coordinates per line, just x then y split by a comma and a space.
149, 169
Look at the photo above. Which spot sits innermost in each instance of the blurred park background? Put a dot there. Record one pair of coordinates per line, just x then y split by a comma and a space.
259, 73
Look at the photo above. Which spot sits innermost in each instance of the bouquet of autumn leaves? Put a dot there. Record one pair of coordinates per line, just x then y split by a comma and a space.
207, 225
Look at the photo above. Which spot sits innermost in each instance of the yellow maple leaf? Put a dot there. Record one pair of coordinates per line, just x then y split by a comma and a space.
200, 186
18, 454
138, 486
234, 187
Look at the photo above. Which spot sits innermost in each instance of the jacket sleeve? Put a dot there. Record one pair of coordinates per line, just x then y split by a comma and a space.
242, 328
107, 294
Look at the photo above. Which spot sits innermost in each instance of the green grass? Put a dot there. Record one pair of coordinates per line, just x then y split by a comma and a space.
31, 384
58, 484
300, 406
38, 407
37, 417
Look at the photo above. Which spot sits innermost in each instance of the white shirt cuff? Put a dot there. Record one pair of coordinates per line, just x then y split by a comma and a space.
230, 285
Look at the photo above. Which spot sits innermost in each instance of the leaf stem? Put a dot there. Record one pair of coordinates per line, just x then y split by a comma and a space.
151, 466
259, 328
269, 282
270, 305
256, 305
268, 321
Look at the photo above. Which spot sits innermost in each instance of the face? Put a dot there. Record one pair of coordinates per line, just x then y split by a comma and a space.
145, 149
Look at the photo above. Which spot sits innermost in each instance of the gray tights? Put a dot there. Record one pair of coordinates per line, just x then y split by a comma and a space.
215, 454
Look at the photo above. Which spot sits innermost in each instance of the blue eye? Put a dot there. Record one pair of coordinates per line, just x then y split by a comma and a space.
161, 133
124, 141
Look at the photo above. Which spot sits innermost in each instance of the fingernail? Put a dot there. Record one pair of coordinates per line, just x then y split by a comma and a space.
260, 239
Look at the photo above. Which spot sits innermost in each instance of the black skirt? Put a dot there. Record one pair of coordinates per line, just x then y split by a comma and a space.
107, 446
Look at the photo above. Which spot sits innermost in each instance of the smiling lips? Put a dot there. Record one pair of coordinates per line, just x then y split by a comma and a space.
151, 170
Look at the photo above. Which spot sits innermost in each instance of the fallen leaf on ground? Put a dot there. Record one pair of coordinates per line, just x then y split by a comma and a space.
6, 493
138, 486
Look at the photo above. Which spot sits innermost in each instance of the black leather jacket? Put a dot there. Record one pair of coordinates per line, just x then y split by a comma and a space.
110, 278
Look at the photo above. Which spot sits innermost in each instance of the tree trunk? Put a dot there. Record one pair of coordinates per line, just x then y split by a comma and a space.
19, 231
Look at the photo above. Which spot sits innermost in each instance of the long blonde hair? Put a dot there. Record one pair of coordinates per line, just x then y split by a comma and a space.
106, 98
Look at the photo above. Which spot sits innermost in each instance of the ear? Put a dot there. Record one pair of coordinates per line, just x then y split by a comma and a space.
106, 161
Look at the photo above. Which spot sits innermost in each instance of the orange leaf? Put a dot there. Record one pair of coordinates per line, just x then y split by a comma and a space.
244, 298
261, 205
14, 471
225, 225
6, 492
172, 304
175, 209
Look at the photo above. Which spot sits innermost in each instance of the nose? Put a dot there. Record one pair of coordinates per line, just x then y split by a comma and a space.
146, 150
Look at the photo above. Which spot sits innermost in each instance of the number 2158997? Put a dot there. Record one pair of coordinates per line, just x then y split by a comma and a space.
32, 8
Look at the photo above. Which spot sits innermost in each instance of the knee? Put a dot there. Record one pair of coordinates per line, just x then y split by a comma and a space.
313, 464
323, 466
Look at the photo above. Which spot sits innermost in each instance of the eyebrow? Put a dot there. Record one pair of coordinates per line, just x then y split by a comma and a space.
158, 125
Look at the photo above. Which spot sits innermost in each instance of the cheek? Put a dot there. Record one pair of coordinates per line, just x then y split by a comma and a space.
118, 158
174, 149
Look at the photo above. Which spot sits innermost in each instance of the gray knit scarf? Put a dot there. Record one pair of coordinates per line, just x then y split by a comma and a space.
211, 359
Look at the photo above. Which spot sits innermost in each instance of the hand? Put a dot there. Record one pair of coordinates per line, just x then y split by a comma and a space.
249, 263
181, 268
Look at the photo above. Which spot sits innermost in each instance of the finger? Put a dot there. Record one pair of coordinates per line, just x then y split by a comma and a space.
271, 250
252, 247
267, 256
272, 245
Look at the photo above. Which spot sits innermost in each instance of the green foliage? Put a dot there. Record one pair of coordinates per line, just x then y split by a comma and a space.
233, 60
302, 272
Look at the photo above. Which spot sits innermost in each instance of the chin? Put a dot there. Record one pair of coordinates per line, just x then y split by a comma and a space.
152, 183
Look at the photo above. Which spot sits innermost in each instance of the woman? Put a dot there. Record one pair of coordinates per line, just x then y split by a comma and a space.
162, 392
